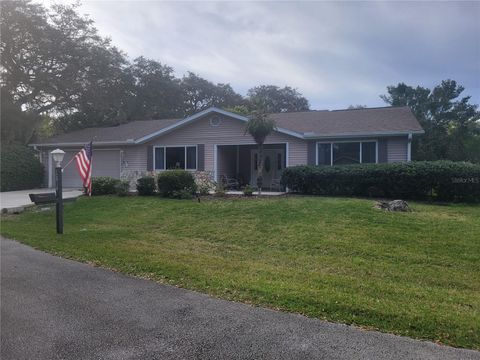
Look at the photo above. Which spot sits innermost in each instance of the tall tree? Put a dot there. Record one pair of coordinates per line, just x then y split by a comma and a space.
199, 94
450, 121
273, 99
259, 126
157, 93
51, 60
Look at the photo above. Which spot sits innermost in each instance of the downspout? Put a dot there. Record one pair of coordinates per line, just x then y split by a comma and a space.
409, 148
40, 158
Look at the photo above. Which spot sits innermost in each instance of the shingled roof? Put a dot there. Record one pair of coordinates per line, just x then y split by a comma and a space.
353, 122
124, 133
308, 124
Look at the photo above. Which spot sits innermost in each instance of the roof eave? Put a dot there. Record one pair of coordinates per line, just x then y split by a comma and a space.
311, 136
82, 143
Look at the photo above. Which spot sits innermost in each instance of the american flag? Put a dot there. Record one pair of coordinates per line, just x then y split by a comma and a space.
83, 159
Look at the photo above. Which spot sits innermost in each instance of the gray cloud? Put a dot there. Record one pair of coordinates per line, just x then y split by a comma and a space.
336, 54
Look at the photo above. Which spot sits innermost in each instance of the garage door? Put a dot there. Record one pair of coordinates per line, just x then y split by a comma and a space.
105, 163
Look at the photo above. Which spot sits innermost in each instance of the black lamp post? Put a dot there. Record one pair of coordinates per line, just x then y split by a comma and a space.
58, 155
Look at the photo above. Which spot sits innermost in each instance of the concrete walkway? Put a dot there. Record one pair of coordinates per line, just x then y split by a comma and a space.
53, 308
17, 201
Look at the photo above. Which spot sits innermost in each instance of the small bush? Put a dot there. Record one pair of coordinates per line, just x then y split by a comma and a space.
248, 190
122, 187
171, 182
220, 189
20, 168
439, 180
104, 185
146, 185
204, 183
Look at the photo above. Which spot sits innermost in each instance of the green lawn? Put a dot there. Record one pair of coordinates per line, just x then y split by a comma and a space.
414, 274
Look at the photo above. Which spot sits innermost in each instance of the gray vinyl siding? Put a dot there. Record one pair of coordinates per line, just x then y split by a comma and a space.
229, 132
135, 158
397, 148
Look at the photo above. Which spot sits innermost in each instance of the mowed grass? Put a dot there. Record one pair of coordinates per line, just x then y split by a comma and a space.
415, 274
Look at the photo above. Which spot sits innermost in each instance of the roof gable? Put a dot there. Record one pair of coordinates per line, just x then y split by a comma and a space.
201, 114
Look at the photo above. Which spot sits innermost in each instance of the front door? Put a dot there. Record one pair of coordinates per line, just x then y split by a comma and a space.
273, 165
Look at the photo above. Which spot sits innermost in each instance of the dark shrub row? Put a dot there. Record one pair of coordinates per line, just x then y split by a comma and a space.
440, 180
20, 169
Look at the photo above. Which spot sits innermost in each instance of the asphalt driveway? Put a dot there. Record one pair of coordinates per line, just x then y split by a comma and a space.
53, 308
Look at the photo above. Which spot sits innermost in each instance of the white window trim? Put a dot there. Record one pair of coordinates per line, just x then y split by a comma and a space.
165, 156
345, 141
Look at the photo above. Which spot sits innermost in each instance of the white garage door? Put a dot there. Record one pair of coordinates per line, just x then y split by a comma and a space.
105, 163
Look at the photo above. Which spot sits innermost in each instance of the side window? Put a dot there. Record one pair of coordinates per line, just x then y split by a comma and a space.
324, 154
369, 150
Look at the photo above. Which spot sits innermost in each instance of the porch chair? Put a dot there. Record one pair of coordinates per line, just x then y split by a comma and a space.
230, 183
275, 184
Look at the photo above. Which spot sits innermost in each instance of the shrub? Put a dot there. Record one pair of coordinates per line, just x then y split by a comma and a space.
104, 185
204, 182
220, 189
170, 182
20, 169
248, 190
146, 185
122, 187
440, 180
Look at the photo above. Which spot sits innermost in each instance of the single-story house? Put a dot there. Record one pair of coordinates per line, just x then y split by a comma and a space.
214, 141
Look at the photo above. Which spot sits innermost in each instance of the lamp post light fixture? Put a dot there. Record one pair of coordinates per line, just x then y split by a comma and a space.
58, 155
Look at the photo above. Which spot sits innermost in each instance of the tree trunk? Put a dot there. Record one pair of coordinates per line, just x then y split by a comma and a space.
260, 169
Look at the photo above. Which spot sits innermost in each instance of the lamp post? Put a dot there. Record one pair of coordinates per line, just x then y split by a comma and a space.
58, 155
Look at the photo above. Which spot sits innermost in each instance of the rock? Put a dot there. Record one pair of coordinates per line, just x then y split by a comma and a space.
394, 205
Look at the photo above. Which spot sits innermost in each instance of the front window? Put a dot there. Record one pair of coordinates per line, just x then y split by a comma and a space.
346, 153
369, 152
324, 154
175, 157
342, 153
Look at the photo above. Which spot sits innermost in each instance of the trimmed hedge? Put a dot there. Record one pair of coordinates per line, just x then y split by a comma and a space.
146, 185
104, 185
20, 168
176, 183
439, 180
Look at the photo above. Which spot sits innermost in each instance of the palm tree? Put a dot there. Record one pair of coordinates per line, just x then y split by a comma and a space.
259, 127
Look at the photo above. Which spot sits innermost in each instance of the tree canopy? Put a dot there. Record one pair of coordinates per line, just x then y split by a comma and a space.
58, 74
53, 61
273, 99
451, 122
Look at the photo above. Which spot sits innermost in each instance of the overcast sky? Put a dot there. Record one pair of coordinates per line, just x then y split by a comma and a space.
334, 53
